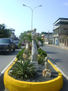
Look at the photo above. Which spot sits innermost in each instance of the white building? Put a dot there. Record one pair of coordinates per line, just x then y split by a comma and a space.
60, 29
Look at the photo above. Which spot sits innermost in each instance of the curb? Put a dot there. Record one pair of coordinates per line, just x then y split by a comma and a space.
16, 85
65, 48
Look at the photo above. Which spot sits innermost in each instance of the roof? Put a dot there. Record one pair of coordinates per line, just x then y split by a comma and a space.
61, 21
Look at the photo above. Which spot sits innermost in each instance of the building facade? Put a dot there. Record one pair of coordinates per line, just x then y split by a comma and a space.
48, 38
60, 29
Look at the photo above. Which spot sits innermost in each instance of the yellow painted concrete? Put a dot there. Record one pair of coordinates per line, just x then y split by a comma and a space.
15, 85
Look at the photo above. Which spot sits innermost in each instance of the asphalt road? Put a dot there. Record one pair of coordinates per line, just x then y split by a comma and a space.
5, 59
59, 57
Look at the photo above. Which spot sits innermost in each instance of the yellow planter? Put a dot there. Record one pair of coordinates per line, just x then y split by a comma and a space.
15, 85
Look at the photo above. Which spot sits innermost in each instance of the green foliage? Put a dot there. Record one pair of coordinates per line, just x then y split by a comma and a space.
40, 39
41, 56
23, 70
23, 51
40, 60
20, 54
4, 32
27, 52
37, 44
43, 32
19, 45
42, 52
25, 36
29, 38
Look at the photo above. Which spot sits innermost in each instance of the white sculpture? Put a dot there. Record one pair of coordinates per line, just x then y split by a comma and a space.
34, 46
46, 63
27, 45
46, 72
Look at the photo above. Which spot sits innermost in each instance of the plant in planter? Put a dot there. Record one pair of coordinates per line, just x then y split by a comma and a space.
24, 67
25, 38
31, 70
40, 59
19, 55
42, 53
22, 70
41, 56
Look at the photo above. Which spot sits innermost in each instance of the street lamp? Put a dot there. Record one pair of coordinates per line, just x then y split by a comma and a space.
32, 10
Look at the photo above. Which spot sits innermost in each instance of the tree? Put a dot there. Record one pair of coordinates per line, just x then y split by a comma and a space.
2, 26
25, 36
4, 32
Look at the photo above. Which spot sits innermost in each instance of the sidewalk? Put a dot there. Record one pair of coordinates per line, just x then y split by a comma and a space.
66, 48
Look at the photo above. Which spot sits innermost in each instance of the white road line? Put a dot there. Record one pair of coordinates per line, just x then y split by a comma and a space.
62, 72
7, 66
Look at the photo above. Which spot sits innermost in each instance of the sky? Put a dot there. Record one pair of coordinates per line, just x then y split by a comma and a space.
14, 15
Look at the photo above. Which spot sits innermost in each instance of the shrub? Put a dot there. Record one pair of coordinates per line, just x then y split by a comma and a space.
20, 53
19, 45
42, 52
26, 54
23, 70
40, 60
41, 56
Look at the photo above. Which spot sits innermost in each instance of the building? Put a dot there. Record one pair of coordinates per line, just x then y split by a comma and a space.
48, 37
60, 29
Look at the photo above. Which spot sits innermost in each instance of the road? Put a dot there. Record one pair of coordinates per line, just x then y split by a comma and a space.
59, 57
5, 59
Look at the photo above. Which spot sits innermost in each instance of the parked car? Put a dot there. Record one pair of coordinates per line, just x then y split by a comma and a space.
6, 44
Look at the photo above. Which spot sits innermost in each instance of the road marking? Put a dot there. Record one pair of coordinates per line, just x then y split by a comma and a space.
62, 72
7, 66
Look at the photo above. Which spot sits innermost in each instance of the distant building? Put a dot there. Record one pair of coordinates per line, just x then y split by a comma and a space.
48, 37
60, 29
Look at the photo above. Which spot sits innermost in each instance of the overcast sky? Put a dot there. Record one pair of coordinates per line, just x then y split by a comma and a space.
14, 15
